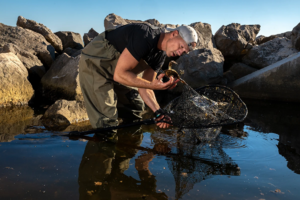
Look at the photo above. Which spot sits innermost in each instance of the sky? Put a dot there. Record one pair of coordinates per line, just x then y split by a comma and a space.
274, 16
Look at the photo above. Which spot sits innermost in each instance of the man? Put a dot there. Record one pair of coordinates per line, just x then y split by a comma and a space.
110, 64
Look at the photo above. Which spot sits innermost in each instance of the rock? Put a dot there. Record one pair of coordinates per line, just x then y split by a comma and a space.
72, 52
287, 34
199, 67
62, 81
43, 30
232, 39
240, 70
15, 87
88, 37
64, 112
227, 78
34, 66
14, 120
205, 36
278, 82
296, 37
28, 41
113, 21
269, 53
262, 39
70, 39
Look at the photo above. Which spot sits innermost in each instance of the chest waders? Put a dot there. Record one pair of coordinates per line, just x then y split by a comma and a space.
105, 99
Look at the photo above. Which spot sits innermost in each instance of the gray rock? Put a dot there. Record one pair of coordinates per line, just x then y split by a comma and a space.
287, 34
64, 112
113, 21
62, 81
43, 30
88, 37
205, 36
262, 39
240, 70
70, 39
279, 82
234, 39
28, 41
200, 67
15, 87
30, 61
296, 37
269, 53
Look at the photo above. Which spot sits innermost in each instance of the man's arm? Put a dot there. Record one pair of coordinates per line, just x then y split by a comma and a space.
124, 75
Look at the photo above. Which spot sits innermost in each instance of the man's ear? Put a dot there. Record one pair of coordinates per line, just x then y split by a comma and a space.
175, 33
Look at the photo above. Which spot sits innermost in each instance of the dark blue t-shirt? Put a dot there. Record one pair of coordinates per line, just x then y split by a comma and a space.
141, 41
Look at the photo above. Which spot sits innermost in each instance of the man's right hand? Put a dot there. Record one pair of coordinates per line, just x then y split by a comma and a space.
158, 84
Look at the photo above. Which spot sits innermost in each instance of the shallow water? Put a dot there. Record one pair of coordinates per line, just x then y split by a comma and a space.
150, 163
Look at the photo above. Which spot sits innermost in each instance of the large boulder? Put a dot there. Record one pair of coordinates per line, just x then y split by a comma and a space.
269, 53
205, 36
29, 41
199, 67
88, 37
70, 39
296, 37
34, 66
279, 82
64, 113
43, 30
15, 87
233, 39
62, 80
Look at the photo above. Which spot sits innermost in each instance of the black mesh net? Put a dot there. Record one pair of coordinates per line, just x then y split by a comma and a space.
201, 113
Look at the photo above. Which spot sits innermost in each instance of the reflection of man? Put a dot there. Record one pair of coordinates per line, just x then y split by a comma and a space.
110, 64
101, 171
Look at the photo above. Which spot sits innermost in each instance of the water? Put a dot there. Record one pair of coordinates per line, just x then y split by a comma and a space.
150, 163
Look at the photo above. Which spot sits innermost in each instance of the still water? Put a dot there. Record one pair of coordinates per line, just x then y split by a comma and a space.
150, 163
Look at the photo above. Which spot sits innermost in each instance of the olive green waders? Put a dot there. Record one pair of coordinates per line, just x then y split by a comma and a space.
102, 95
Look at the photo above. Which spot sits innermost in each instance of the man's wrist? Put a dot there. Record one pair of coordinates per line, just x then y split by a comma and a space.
158, 113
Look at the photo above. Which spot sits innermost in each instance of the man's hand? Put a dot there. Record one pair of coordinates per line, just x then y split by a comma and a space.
165, 124
158, 84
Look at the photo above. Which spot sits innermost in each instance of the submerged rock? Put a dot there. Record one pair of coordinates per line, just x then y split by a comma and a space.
64, 113
15, 87
278, 81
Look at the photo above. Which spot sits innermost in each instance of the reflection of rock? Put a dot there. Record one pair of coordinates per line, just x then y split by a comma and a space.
14, 120
278, 81
282, 119
15, 87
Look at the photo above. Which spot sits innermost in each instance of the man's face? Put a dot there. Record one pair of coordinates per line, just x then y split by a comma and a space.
176, 46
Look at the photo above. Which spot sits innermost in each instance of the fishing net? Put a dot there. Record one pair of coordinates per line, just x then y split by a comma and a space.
201, 113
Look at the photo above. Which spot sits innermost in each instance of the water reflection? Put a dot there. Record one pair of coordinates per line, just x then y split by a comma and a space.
282, 119
101, 172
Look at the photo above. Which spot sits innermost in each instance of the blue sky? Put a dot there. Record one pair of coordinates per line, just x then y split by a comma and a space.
274, 16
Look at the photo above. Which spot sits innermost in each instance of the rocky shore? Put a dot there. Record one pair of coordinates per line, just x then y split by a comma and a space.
40, 68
